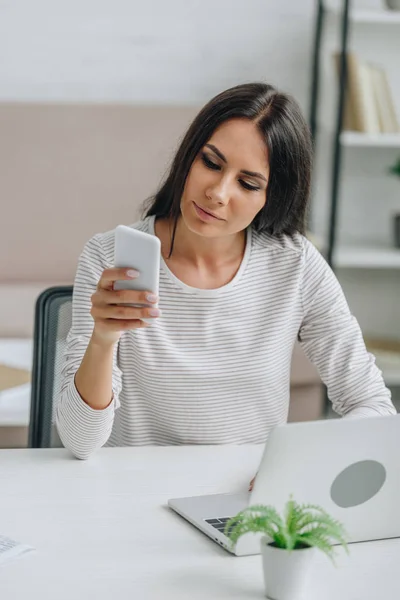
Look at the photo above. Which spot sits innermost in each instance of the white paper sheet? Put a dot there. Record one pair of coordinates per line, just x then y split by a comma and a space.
11, 549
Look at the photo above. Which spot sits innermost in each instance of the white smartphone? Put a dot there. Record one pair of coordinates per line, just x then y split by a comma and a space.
135, 249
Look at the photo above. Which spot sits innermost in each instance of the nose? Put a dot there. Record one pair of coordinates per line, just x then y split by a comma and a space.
219, 193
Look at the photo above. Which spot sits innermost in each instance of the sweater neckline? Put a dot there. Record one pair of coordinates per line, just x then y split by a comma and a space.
206, 293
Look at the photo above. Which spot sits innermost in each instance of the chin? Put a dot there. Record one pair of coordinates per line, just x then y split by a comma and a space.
199, 227
203, 229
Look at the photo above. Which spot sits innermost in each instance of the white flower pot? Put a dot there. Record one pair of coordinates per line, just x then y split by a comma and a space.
285, 573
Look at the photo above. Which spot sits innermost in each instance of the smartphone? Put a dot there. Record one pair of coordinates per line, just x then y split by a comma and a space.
135, 249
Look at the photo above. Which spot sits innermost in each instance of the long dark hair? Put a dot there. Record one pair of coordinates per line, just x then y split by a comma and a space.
279, 119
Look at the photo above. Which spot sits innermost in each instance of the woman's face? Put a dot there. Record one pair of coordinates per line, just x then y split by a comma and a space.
226, 185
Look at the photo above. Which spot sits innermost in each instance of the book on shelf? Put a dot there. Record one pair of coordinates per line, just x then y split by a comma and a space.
369, 106
387, 111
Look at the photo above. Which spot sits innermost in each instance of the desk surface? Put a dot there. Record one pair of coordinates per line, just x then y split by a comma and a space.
101, 530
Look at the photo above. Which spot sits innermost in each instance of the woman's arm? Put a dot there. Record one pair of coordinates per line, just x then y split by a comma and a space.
93, 379
332, 340
85, 424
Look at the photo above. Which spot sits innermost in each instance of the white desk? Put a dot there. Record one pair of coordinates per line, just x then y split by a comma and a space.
101, 530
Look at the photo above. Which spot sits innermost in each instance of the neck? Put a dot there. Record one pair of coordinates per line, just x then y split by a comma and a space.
204, 251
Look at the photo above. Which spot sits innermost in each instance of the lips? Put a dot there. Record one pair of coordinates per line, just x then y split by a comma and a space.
207, 212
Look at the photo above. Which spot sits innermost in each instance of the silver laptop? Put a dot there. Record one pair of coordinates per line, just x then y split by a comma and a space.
348, 466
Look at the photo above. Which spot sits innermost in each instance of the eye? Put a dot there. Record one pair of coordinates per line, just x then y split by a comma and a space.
248, 187
209, 163
215, 167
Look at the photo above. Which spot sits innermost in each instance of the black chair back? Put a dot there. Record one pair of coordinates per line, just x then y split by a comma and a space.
53, 320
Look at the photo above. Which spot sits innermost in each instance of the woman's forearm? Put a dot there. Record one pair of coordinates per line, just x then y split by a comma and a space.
93, 379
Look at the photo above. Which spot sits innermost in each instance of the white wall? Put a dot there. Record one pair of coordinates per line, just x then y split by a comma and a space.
175, 51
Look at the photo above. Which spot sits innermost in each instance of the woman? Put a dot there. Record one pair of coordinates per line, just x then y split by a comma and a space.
239, 284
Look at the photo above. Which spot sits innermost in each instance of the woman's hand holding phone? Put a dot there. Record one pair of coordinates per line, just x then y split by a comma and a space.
111, 317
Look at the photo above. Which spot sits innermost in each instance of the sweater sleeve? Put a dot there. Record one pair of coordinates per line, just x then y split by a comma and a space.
331, 338
81, 428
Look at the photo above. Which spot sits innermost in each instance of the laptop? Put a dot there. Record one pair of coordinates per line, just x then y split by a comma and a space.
348, 466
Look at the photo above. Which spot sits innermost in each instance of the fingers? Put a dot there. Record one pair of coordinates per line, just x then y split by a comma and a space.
123, 313
110, 275
119, 325
126, 297
121, 310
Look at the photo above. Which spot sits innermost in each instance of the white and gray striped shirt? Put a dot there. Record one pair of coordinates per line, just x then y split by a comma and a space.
215, 367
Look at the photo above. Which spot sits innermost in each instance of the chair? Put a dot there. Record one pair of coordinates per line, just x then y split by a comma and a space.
53, 319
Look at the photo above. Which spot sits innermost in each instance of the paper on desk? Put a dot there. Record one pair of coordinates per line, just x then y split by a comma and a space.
11, 549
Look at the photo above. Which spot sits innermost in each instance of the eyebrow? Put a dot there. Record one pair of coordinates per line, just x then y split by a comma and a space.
222, 157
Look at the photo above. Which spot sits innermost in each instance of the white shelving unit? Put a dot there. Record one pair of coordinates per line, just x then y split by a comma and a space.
371, 17
375, 17
389, 363
379, 140
370, 256
391, 375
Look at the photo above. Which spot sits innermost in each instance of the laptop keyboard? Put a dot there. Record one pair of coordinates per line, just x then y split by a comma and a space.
219, 523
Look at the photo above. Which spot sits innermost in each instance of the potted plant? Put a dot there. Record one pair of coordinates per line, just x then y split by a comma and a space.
289, 543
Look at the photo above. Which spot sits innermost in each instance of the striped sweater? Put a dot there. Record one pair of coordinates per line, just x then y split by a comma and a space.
215, 367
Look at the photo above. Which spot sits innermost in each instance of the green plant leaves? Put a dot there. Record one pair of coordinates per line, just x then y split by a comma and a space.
395, 169
256, 519
301, 525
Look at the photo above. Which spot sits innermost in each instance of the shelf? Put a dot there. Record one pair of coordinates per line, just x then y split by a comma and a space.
383, 17
370, 257
389, 17
377, 140
391, 376
390, 369
387, 358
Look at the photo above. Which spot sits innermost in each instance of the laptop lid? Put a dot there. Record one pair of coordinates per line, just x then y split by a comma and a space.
349, 466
